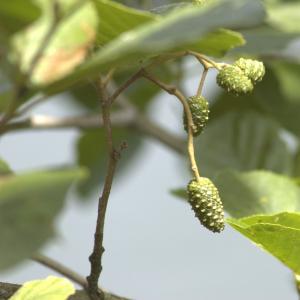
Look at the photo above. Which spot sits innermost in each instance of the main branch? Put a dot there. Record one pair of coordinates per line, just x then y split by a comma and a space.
98, 249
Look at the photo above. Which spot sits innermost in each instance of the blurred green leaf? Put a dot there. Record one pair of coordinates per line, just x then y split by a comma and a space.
116, 19
4, 168
267, 42
278, 95
297, 164
28, 205
277, 234
16, 14
242, 140
51, 288
167, 34
67, 47
92, 154
257, 192
217, 43
254, 193
285, 16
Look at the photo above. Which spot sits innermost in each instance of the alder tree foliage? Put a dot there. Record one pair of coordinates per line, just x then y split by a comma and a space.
112, 58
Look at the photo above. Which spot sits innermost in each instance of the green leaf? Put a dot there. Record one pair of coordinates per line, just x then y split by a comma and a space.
29, 204
277, 234
254, 193
4, 168
242, 140
116, 19
279, 95
285, 16
92, 154
51, 288
166, 35
16, 14
297, 164
67, 47
257, 192
217, 43
266, 41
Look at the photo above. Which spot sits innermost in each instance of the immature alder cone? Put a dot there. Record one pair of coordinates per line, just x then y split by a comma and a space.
253, 69
206, 203
200, 113
233, 79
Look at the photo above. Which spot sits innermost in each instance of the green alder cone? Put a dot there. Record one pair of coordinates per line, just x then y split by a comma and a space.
206, 203
200, 113
253, 69
233, 80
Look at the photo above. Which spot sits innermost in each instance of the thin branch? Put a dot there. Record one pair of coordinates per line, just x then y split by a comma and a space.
98, 249
124, 86
128, 119
59, 268
202, 80
144, 125
31, 104
172, 90
205, 61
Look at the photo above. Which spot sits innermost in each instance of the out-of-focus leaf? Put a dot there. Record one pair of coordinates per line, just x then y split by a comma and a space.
116, 19
16, 14
51, 288
242, 140
279, 95
4, 168
266, 41
67, 47
285, 16
168, 34
254, 193
92, 154
218, 42
257, 192
28, 205
297, 164
277, 234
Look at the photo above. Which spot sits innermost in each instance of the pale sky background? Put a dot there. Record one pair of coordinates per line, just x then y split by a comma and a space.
155, 248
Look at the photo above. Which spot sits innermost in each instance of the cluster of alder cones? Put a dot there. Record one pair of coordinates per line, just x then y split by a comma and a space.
238, 78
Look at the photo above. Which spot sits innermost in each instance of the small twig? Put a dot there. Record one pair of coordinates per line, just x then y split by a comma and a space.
172, 90
31, 104
205, 61
59, 268
124, 86
125, 119
144, 125
98, 249
109, 76
201, 83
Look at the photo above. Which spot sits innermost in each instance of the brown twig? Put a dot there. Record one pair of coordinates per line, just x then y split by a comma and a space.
59, 268
98, 249
172, 90
128, 119
124, 86
201, 83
